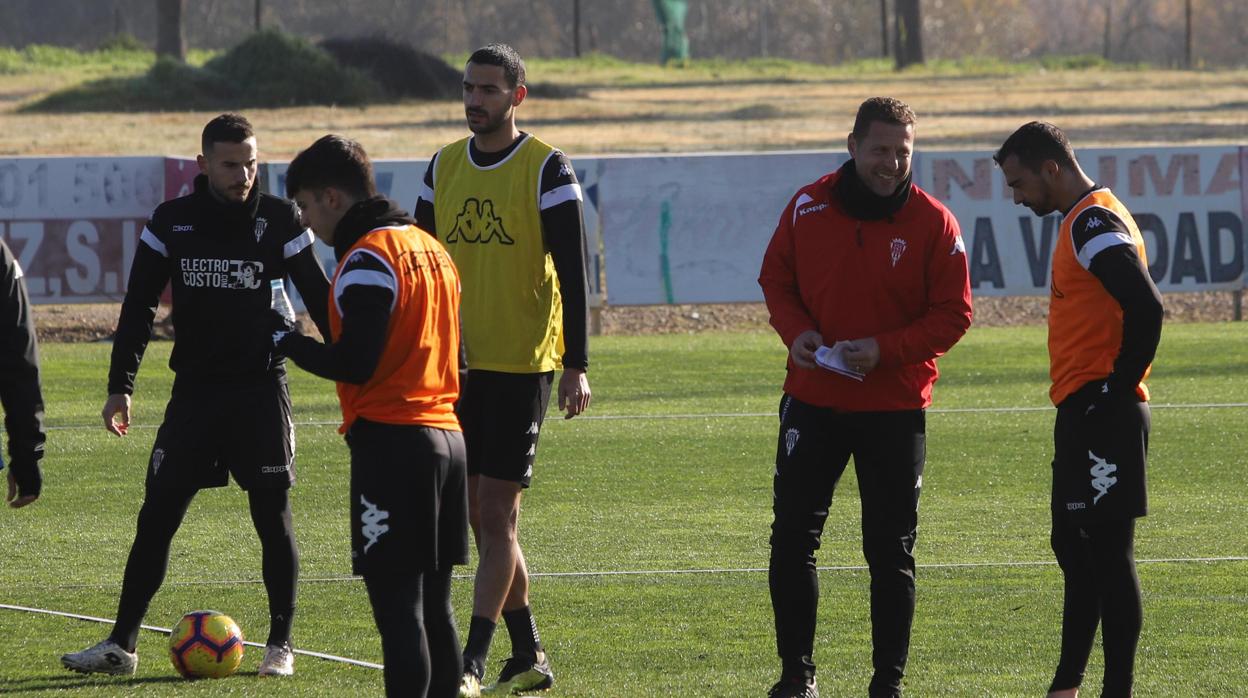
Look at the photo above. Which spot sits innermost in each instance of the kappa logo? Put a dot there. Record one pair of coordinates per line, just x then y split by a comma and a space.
183, 228
896, 248
261, 224
158, 457
790, 441
811, 209
565, 170
1102, 471
371, 522
477, 222
959, 247
1094, 222
532, 450
533, 429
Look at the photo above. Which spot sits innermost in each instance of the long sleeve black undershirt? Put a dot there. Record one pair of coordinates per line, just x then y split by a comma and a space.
309, 277
1125, 277
353, 356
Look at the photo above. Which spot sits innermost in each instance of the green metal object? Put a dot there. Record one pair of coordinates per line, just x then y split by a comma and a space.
671, 14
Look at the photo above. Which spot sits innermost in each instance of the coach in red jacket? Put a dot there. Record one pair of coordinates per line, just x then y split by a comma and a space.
868, 265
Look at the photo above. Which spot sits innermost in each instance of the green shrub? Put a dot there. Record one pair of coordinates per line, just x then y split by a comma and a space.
272, 69
122, 42
268, 69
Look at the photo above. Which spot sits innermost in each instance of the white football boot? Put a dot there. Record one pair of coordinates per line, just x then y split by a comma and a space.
279, 660
107, 657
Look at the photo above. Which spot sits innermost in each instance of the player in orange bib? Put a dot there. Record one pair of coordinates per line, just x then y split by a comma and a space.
1105, 318
394, 321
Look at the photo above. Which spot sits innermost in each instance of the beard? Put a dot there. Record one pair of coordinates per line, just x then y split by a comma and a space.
237, 193
487, 122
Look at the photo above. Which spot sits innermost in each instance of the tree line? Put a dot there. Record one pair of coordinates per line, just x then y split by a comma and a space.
1174, 33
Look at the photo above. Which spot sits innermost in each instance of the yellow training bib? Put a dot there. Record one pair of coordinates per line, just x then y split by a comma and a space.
489, 220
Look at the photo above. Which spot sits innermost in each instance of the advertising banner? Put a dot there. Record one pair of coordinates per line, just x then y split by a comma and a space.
692, 228
73, 222
1187, 203
668, 229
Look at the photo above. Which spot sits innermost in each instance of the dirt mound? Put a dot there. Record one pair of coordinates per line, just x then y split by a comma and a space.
401, 70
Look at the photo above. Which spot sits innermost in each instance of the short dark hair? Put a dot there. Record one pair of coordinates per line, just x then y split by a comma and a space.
503, 56
885, 109
332, 161
227, 128
1034, 143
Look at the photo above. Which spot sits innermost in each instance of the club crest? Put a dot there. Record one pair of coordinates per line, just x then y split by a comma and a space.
790, 441
896, 249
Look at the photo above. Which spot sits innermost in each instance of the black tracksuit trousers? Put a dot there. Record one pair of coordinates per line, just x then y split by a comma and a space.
815, 445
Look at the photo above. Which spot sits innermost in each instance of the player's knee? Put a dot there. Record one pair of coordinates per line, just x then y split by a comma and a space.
497, 521
889, 552
793, 550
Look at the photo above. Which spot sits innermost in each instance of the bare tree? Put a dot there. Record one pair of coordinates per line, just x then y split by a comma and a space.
1187, 34
884, 28
908, 42
1109, 18
170, 40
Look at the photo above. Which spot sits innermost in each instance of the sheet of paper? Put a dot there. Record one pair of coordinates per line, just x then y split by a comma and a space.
833, 359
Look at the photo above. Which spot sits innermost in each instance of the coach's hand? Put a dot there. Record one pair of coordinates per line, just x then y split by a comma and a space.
574, 392
117, 413
803, 349
863, 355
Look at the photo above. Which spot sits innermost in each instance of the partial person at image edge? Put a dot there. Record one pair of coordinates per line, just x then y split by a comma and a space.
20, 391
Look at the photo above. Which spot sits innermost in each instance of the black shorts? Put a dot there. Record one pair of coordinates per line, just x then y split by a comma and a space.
502, 415
409, 498
1099, 470
210, 433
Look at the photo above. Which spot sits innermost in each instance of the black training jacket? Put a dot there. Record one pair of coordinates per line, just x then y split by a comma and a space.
19, 377
219, 259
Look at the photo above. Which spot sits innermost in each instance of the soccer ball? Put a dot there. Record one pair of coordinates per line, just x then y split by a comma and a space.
206, 644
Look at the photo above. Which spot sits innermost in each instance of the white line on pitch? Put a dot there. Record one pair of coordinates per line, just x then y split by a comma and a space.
755, 415
166, 631
701, 570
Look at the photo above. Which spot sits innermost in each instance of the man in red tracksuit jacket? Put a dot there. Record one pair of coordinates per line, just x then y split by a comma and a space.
865, 262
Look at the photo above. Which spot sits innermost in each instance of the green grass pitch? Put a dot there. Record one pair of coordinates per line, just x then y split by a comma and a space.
670, 471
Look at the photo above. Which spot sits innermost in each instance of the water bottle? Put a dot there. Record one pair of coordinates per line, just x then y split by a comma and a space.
280, 302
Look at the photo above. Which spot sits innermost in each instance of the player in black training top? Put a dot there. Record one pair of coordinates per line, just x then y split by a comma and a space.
19, 385
229, 413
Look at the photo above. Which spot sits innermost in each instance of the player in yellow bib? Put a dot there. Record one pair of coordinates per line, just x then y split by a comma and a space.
508, 209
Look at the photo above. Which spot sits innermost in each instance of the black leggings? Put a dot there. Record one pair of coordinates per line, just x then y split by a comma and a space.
814, 447
1098, 563
419, 644
159, 520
